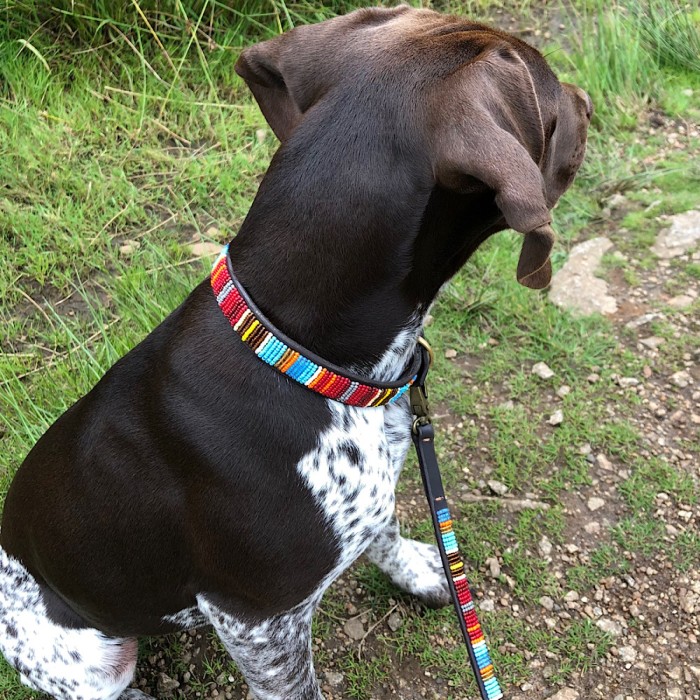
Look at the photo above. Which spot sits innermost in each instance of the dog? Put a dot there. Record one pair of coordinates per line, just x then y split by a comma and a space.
195, 484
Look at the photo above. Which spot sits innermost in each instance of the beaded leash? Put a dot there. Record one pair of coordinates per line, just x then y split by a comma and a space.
423, 438
274, 348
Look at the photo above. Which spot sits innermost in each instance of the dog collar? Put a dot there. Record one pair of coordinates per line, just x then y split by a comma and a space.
277, 350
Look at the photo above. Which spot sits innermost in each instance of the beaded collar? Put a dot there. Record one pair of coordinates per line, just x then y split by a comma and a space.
295, 362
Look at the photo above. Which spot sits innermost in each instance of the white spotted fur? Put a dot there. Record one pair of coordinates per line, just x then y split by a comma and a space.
65, 663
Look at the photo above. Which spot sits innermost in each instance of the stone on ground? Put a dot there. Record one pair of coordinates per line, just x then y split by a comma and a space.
565, 694
542, 370
576, 288
680, 237
205, 249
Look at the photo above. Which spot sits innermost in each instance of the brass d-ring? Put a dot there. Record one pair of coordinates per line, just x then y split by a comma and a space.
422, 341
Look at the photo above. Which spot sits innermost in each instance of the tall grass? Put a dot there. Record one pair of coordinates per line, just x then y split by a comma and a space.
612, 61
671, 31
95, 21
621, 47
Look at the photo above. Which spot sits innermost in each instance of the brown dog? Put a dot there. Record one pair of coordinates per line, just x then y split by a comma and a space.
197, 484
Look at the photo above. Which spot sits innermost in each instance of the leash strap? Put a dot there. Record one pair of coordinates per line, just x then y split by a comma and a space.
423, 438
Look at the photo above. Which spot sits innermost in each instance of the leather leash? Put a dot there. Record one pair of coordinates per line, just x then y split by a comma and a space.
423, 438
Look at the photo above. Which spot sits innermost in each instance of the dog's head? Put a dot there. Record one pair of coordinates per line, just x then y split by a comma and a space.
478, 109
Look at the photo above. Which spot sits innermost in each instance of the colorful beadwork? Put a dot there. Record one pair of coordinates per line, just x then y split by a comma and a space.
476, 636
253, 331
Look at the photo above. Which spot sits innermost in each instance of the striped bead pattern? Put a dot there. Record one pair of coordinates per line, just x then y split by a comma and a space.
476, 635
291, 363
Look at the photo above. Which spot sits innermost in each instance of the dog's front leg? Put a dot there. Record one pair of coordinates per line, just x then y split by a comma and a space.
415, 567
274, 654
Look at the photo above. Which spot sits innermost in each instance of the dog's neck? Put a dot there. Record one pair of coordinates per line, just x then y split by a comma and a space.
347, 262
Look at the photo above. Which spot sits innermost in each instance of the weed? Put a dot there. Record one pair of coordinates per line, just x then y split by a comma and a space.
652, 476
606, 560
363, 674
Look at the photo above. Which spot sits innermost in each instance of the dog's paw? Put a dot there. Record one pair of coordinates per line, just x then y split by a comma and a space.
418, 571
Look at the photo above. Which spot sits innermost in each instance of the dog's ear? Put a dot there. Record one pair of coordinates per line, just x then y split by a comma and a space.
261, 66
490, 128
534, 265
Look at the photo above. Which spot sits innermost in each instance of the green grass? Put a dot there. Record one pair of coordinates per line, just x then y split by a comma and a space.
109, 135
363, 674
606, 560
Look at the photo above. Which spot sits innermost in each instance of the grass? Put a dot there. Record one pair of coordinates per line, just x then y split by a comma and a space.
125, 136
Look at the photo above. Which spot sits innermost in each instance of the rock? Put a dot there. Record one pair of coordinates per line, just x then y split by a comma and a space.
542, 370
497, 487
520, 504
675, 674
592, 528
545, 546
642, 320
450, 353
395, 621
675, 693
617, 200
593, 378
653, 342
333, 678
565, 694
487, 605
354, 628
557, 418
575, 287
494, 567
166, 684
571, 597
682, 301
261, 135
204, 249
128, 248
547, 603
680, 237
688, 601
563, 390
628, 655
604, 462
609, 626
595, 503
626, 382
677, 417
681, 379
